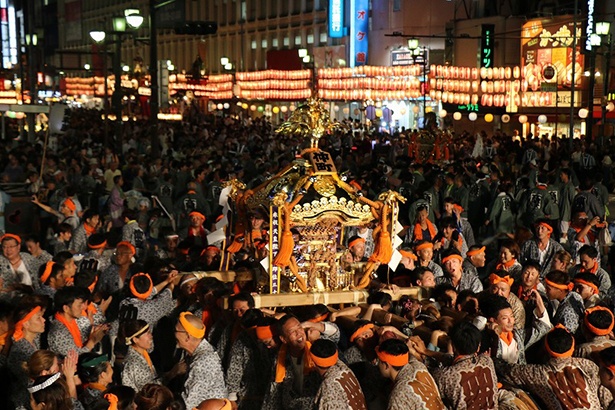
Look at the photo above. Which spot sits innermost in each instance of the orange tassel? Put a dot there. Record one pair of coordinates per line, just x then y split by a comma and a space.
384, 249
287, 244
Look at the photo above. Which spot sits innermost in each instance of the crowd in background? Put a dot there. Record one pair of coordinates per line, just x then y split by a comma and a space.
508, 237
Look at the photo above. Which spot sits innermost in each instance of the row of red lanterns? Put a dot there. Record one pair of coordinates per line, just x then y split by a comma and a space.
274, 75
363, 94
370, 71
371, 83
275, 94
273, 85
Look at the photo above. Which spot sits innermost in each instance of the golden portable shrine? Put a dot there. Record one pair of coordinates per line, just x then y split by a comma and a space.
308, 205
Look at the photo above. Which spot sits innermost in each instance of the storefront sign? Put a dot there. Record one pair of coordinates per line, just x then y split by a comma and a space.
589, 28
336, 18
402, 57
359, 30
487, 45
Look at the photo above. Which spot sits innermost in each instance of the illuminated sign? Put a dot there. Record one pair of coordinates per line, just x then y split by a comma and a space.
589, 28
359, 28
336, 18
487, 45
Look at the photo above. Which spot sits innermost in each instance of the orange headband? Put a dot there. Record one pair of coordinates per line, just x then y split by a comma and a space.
227, 405
113, 400
563, 355
474, 252
397, 361
426, 245
493, 279
10, 236
546, 225
320, 318
99, 246
212, 248
325, 361
195, 213
128, 245
47, 271
559, 286
70, 204
191, 329
611, 367
453, 256
264, 332
592, 328
586, 283
458, 208
407, 254
355, 184
18, 333
138, 294
360, 330
355, 241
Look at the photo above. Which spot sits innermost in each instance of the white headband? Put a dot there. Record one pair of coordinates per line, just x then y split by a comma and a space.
45, 384
139, 332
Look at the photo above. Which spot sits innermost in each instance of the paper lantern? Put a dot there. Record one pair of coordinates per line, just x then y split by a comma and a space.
227, 106
505, 118
542, 118
244, 106
220, 106
415, 109
488, 117
402, 110
356, 111
346, 110
292, 107
336, 108
583, 112
253, 107
275, 110
457, 116
610, 106
472, 116
523, 119
442, 113
261, 108
378, 112
284, 108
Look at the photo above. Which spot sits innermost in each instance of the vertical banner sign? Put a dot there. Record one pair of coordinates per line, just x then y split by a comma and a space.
336, 18
274, 245
359, 27
487, 45
589, 28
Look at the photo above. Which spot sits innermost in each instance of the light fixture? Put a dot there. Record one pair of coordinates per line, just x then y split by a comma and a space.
224, 61
586, 73
583, 113
302, 52
87, 66
31, 39
170, 67
595, 40
125, 68
603, 28
119, 23
413, 43
598, 74
98, 36
306, 59
134, 20
228, 66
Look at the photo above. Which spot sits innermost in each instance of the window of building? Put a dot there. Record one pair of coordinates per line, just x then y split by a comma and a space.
309, 6
253, 45
264, 43
310, 38
286, 42
396, 5
262, 12
298, 40
244, 10
274, 43
323, 36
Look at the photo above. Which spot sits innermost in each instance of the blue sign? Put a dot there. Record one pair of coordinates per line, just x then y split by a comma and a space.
359, 28
336, 18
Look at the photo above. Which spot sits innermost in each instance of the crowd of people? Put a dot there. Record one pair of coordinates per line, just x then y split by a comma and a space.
102, 305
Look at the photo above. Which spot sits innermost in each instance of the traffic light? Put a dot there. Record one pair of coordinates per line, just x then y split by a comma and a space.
197, 27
